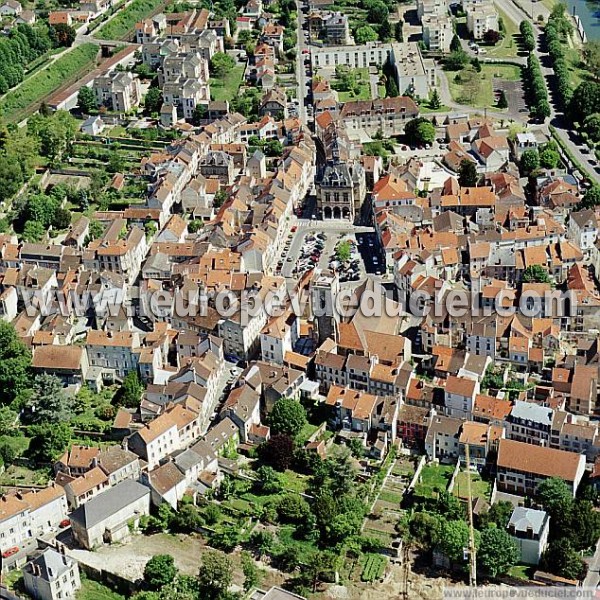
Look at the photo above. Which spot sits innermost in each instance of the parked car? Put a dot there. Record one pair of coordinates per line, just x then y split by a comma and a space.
64, 523
10, 551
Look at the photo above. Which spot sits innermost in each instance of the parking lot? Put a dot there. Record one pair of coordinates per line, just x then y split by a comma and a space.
513, 90
303, 251
314, 246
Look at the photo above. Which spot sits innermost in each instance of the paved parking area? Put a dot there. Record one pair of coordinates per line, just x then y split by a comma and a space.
515, 94
373, 257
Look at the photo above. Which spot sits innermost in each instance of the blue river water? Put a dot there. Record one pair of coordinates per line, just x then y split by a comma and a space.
589, 13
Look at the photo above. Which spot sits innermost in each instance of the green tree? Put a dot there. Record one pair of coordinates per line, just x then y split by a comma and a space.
226, 538
455, 538
61, 218
563, 560
399, 31
585, 100
216, 574
455, 44
200, 113
292, 508
365, 34
86, 99
50, 403
385, 31
263, 541
251, 572
456, 60
497, 552
391, 88
467, 173
554, 494
220, 197
288, 417
584, 525
63, 35
529, 161
426, 529
419, 131
15, 363
536, 274
591, 125
270, 480
187, 519
8, 421
591, 198
434, 100
591, 57
549, 156
343, 251
131, 390
49, 441
378, 12
502, 101
153, 100
273, 148
34, 231
221, 64
321, 565
159, 571
499, 513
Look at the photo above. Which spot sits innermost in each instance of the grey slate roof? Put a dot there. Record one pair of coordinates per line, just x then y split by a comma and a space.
530, 411
108, 503
51, 563
527, 518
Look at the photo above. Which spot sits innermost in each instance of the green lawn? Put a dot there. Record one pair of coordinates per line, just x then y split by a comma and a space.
65, 70
476, 89
520, 571
226, 88
479, 487
121, 25
363, 91
507, 47
433, 477
92, 590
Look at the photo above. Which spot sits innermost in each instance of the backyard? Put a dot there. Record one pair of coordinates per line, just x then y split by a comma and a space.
434, 478
479, 487
227, 87
381, 522
351, 84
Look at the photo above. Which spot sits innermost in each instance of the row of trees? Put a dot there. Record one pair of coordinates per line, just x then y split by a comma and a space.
536, 88
527, 35
556, 31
